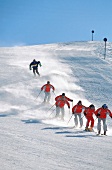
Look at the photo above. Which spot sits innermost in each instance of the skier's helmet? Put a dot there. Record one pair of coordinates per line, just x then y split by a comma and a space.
48, 82
104, 106
79, 102
92, 106
34, 60
63, 94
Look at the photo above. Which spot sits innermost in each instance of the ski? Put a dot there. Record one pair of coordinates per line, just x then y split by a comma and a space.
100, 135
89, 130
103, 135
72, 127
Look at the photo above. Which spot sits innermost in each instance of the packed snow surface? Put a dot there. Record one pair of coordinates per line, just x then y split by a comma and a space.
30, 139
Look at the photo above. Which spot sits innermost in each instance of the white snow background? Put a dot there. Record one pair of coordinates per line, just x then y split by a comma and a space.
29, 138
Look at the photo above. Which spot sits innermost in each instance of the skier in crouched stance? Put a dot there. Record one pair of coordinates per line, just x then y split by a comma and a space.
47, 89
34, 64
60, 103
101, 113
77, 111
60, 96
89, 116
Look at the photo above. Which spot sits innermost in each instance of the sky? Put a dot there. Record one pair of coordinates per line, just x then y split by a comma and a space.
30, 137
32, 22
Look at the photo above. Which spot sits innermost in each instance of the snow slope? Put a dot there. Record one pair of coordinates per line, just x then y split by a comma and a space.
29, 138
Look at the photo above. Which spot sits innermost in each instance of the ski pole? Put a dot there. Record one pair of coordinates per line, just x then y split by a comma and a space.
38, 95
70, 119
81, 117
54, 93
95, 119
72, 104
50, 107
51, 112
69, 111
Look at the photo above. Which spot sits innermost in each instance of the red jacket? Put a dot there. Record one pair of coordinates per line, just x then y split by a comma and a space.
103, 113
89, 112
77, 108
47, 87
60, 103
60, 97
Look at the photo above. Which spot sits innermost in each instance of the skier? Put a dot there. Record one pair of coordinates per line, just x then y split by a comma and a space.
34, 64
60, 96
101, 113
60, 106
47, 89
89, 116
77, 110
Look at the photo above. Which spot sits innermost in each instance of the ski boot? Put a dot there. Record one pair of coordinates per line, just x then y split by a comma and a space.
90, 129
98, 132
86, 129
105, 133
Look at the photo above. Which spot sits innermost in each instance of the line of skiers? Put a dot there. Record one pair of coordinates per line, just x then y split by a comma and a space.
78, 109
101, 113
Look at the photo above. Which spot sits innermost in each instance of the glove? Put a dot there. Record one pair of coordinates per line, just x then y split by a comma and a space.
85, 114
30, 68
68, 107
73, 113
71, 100
98, 115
